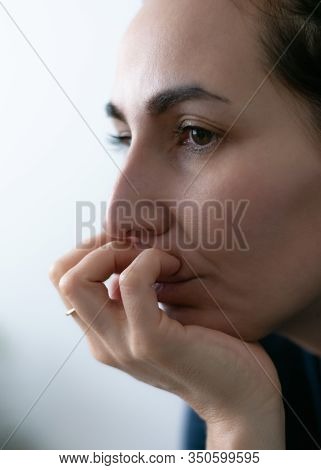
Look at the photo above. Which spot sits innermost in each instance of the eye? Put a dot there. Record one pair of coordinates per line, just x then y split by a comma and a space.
197, 138
119, 140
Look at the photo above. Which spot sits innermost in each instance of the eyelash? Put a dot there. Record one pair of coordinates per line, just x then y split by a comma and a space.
199, 149
119, 140
124, 140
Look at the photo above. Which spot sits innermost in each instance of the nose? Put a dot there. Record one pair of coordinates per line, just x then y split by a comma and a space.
137, 206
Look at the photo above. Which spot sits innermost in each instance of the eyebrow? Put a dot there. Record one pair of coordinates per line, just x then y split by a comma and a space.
166, 99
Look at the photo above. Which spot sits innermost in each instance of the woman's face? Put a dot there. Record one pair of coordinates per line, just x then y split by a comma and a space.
188, 72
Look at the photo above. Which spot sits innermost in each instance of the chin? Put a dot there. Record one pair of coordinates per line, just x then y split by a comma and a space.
214, 319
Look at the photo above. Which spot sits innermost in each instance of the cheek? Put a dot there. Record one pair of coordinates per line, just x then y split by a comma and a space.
284, 197
281, 184
280, 273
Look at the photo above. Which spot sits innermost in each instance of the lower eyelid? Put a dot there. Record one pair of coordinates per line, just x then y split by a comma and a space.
205, 148
125, 141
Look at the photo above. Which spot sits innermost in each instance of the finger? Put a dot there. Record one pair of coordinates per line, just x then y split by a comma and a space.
99, 348
73, 257
84, 287
70, 259
66, 262
136, 287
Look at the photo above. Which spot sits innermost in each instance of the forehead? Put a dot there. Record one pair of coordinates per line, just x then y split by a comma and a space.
211, 42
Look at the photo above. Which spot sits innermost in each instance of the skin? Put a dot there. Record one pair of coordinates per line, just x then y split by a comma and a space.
268, 158
232, 385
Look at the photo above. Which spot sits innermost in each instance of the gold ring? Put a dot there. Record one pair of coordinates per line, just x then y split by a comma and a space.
71, 311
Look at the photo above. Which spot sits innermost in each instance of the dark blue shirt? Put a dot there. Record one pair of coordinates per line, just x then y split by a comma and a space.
300, 376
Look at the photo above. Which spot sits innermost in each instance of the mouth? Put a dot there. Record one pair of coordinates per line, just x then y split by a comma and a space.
170, 292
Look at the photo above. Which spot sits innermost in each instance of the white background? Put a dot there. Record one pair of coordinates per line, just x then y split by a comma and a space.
48, 161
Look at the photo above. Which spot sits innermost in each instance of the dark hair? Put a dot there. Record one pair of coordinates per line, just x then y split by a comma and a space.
291, 39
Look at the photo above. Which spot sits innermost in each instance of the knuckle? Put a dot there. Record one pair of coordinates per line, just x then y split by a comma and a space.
99, 352
150, 252
69, 284
56, 271
101, 356
128, 280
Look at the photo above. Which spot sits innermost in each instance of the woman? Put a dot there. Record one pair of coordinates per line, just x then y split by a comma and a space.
213, 106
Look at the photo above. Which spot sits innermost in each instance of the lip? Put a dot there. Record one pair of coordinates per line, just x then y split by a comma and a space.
175, 281
171, 291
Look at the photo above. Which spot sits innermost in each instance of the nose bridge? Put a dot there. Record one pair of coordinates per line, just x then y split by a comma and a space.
135, 207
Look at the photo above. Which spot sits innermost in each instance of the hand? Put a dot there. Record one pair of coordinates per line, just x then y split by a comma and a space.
232, 385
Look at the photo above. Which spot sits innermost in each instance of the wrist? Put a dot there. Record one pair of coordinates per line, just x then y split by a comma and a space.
263, 430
